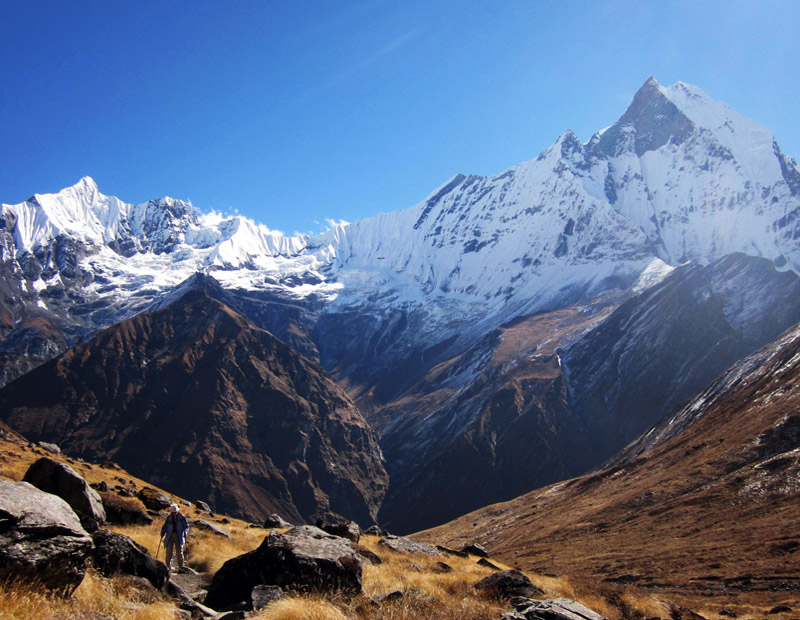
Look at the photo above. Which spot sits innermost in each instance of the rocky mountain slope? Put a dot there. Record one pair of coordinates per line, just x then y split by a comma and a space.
197, 399
705, 502
557, 393
437, 319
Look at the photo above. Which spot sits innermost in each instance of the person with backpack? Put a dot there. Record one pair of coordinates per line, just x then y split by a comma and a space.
173, 532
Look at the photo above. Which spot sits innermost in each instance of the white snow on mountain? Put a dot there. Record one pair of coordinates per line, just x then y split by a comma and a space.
678, 178
750, 142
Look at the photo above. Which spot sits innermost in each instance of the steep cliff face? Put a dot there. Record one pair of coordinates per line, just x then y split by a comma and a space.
195, 398
662, 347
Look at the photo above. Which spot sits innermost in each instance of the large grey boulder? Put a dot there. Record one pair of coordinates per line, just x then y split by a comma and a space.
41, 537
553, 609
60, 479
117, 553
346, 529
262, 595
203, 506
402, 544
207, 526
276, 521
303, 559
153, 499
507, 584
475, 549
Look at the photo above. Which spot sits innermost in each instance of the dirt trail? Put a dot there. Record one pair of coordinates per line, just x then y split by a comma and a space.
191, 582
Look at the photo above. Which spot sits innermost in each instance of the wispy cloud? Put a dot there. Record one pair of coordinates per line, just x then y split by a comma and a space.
390, 48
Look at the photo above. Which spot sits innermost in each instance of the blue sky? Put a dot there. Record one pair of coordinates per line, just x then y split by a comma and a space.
297, 112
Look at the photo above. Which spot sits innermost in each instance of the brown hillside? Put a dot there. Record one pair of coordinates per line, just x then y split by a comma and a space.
199, 401
712, 512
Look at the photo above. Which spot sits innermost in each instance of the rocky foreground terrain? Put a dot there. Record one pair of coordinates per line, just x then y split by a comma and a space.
64, 540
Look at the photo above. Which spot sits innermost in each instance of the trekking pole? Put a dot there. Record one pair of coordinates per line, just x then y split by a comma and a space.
158, 548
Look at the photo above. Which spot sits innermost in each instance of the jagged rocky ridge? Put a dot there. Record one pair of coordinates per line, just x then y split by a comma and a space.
411, 310
679, 177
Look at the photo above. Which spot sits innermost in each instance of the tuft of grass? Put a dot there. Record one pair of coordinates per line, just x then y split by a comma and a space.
300, 608
25, 601
110, 498
639, 605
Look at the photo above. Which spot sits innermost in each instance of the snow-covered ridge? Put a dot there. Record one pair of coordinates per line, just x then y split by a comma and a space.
84, 213
678, 178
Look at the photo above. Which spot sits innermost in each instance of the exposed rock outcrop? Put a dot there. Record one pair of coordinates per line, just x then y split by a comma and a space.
345, 529
276, 521
403, 544
304, 558
41, 538
60, 479
215, 529
554, 609
475, 549
508, 584
262, 595
118, 553
153, 499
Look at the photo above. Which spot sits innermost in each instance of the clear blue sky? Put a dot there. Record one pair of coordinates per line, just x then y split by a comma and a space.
293, 112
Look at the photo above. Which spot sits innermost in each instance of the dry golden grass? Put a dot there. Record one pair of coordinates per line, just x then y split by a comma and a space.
204, 552
115, 597
113, 500
417, 573
15, 460
611, 601
300, 608
428, 593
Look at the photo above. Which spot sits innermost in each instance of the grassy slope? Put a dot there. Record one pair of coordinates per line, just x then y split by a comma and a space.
428, 594
710, 517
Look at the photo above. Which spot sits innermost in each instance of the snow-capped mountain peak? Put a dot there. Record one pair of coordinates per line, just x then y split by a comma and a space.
749, 142
679, 177
79, 211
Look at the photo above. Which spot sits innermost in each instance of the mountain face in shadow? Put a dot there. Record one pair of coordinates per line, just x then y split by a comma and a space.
195, 398
553, 395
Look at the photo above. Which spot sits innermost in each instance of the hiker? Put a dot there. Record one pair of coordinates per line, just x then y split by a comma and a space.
174, 534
